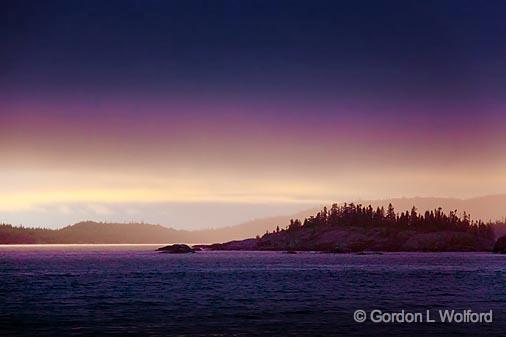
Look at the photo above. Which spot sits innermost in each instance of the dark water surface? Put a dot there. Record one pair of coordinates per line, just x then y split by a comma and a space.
134, 291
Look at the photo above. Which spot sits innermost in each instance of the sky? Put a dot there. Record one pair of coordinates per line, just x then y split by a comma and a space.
198, 114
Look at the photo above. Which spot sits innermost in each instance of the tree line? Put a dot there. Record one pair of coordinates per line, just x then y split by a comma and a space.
357, 215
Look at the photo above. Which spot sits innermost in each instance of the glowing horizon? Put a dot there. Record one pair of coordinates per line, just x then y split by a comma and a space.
106, 157
259, 106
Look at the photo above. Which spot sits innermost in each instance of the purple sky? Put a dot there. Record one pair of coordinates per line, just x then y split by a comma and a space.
263, 108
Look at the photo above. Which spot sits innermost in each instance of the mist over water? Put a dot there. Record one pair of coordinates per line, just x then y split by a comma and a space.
132, 290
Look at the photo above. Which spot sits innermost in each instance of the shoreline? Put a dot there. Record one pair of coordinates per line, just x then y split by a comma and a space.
152, 247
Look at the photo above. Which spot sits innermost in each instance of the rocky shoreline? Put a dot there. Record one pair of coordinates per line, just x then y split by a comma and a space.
357, 239
354, 240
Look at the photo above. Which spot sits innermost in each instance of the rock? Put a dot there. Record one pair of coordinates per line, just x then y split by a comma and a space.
290, 252
248, 244
500, 245
176, 249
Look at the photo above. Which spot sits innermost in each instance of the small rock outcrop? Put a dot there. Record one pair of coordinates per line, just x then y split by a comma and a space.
176, 249
500, 245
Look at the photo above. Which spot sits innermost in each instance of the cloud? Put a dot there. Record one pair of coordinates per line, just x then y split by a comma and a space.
64, 209
99, 209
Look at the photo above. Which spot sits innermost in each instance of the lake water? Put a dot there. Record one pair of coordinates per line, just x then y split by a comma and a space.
134, 291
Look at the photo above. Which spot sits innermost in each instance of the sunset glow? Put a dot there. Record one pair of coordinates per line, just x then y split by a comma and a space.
193, 121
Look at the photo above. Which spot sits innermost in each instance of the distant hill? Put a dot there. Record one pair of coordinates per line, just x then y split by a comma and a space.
137, 233
94, 232
484, 208
246, 229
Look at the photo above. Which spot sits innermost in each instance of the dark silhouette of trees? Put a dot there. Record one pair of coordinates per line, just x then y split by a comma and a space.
357, 215
294, 224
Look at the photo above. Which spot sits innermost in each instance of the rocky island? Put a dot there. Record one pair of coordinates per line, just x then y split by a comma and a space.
355, 228
177, 249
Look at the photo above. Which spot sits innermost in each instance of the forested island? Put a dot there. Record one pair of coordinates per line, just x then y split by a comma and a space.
354, 228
